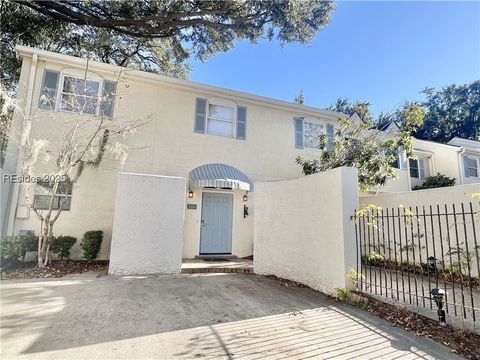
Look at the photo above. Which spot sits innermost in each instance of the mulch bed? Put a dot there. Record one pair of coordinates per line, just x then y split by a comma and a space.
462, 342
56, 269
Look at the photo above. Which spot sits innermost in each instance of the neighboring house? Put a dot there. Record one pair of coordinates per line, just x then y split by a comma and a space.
469, 151
223, 141
458, 159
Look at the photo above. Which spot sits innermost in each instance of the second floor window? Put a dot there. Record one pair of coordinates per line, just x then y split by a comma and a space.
79, 95
220, 120
307, 134
471, 166
396, 161
312, 134
76, 94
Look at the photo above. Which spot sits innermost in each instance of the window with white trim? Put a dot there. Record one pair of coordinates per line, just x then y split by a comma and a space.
395, 163
79, 95
43, 196
471, 167
417, 168
220, 120
74, 93
311, 135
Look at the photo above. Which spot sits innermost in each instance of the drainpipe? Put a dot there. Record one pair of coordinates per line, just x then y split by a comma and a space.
27, 112
433, 165
461, 151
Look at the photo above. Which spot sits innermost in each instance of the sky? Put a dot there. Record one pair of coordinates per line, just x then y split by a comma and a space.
381, 52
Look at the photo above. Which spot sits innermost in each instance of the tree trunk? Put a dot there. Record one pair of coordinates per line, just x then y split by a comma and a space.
44, 241
39, 246
40, 254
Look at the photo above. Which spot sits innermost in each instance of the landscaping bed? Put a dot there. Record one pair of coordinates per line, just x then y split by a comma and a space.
463, 342
57, 269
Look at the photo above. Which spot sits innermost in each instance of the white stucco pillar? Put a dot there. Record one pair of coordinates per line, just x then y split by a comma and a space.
147, 236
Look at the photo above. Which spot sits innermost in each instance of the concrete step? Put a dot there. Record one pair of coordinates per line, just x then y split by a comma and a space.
200, 270
216, 257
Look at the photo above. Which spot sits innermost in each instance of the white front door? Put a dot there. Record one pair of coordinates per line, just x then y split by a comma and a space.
216, 223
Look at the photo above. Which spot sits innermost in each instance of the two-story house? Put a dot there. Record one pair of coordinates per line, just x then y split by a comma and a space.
458, 159
221, 140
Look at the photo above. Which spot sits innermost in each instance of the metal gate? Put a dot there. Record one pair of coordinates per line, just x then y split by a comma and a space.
425, 258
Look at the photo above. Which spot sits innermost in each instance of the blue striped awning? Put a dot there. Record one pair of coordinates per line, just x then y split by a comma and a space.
219, 176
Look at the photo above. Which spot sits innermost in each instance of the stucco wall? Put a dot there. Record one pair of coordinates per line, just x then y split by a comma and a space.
148, 225
303, 230
439, 196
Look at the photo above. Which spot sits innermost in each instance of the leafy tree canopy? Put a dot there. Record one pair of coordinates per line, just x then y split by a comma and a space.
154, 36
452, 111
362, 108
369, 150
300, 98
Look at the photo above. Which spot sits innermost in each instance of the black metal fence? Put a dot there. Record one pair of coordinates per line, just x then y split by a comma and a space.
404, 253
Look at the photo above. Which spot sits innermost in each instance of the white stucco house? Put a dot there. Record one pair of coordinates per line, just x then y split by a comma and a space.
458, 159
221, 141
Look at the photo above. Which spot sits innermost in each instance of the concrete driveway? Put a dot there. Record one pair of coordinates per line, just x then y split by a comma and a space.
192, 316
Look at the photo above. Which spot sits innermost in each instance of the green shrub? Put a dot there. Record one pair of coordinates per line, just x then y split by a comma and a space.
435, 181
13, 248
91, 242
61, 245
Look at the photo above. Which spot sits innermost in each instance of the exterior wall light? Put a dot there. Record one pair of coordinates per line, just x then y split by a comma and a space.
245, 197
437, 295
432, 264
190, 194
